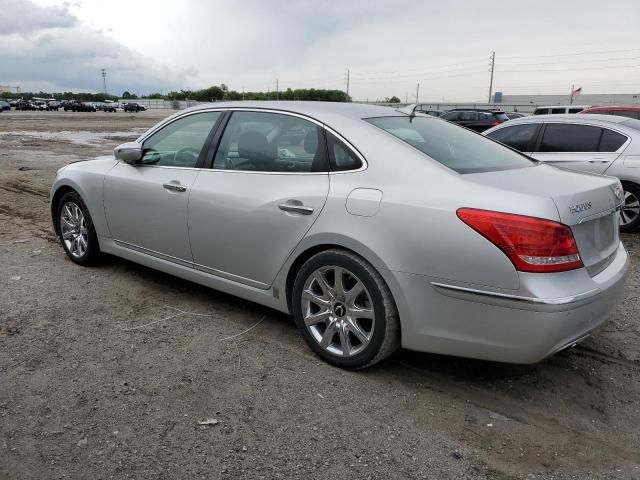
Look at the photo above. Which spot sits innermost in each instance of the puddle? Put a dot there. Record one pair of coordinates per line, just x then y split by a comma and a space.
78, 136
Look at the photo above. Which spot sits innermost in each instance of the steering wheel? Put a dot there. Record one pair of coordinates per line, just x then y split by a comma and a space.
187, 155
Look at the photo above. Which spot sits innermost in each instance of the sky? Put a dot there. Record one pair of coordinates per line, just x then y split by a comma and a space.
388, 47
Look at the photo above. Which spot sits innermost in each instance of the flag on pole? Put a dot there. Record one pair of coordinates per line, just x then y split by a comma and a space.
576, 91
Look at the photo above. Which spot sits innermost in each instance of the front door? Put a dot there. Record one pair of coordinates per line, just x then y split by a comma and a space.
268, 184
146, 204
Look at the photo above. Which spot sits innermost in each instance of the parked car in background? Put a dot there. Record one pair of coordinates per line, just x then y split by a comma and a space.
4, 105
433, 113
110, 107
25, 105
380, 229
606, 145
133, 107
559, 109
475, 119
631, 112
77, 106
52, 105
40, 105
513, 115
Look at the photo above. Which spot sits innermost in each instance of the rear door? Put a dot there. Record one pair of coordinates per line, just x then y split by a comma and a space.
586, 148
268, 183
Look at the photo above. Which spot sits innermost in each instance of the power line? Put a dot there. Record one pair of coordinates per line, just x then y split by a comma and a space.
573, 54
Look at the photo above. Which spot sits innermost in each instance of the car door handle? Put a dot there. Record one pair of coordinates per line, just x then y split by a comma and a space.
174, 188
599, 160
296, 208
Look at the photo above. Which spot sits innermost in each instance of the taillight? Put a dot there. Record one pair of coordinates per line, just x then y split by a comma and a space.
532, 244
495, 122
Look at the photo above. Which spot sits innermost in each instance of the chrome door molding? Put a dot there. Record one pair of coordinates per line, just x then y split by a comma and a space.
231, 276
186, 263
163, 256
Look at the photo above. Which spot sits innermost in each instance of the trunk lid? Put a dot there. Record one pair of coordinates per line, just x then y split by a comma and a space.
587, 203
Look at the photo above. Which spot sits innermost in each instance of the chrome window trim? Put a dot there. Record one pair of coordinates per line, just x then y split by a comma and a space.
621, 149
349, 145
139, 165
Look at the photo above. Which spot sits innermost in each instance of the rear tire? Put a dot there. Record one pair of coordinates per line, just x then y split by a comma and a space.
76, 230
630, 213
352, 322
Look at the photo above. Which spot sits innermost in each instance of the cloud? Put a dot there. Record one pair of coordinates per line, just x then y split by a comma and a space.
50, 47
24, 16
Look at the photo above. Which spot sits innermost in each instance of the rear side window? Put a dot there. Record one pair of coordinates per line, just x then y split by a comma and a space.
341, 157
611, 141
450, 116
557, 110
517, 136
454, 147
575, 110
559, 137
468, 116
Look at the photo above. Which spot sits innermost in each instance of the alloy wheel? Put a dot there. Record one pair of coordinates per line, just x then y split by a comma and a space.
630, 209
338, 311
73, 229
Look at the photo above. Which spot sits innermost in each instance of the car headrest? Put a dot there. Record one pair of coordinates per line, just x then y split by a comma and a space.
254, 146
311, 141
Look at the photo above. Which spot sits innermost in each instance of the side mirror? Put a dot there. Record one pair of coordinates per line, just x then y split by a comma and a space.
130, 152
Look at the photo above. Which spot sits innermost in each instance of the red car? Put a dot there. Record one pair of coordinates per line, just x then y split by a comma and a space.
631, 112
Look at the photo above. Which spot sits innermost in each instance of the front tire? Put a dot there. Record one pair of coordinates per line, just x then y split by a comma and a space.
76, 230
344, 310
630, 213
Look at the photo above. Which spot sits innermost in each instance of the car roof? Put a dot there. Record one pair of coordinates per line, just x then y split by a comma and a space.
616, 108
568, 117
311, 109
563, 106
486, 110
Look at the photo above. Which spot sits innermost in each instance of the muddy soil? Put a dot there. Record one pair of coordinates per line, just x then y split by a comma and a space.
102, 377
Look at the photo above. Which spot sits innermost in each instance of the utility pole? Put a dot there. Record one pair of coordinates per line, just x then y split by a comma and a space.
347, 84
571, 97
242, 93
277, 90
492, 59
417, 92
103, 72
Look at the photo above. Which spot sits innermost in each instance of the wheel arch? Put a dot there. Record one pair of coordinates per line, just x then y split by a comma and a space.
307, 251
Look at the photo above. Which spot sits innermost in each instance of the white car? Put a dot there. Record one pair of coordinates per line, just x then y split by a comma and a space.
559, 109
602, 144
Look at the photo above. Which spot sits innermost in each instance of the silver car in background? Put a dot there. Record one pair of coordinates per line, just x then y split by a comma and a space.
602, 144
375, 228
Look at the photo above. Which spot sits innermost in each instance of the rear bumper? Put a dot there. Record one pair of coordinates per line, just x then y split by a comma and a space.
548, 313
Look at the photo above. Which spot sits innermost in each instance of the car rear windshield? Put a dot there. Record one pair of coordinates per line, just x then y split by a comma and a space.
632, 123
501, 116
455, 147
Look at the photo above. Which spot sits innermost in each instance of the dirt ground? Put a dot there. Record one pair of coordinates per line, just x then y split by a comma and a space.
88, 391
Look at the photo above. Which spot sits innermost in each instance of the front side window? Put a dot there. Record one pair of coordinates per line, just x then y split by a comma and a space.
451, 116
179, 143
557, 110
517, 136
468, 116
565, 137
456, 148
270, 142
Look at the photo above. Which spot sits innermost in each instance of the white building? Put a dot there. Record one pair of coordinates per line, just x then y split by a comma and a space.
623, 99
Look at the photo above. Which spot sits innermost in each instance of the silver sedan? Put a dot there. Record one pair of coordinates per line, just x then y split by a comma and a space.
375, 228
602, 144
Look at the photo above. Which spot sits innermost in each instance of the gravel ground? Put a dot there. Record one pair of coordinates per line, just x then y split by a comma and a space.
88, 391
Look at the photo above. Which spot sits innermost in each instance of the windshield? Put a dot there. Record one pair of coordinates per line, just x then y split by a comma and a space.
455, 147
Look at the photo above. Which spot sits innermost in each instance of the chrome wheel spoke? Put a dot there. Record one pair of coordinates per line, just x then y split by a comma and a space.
354, 293
315, 318
328, 335
358, 312
358, 332
67, 235
73, 230
312, 297
344, 341
318, 276
338, 281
